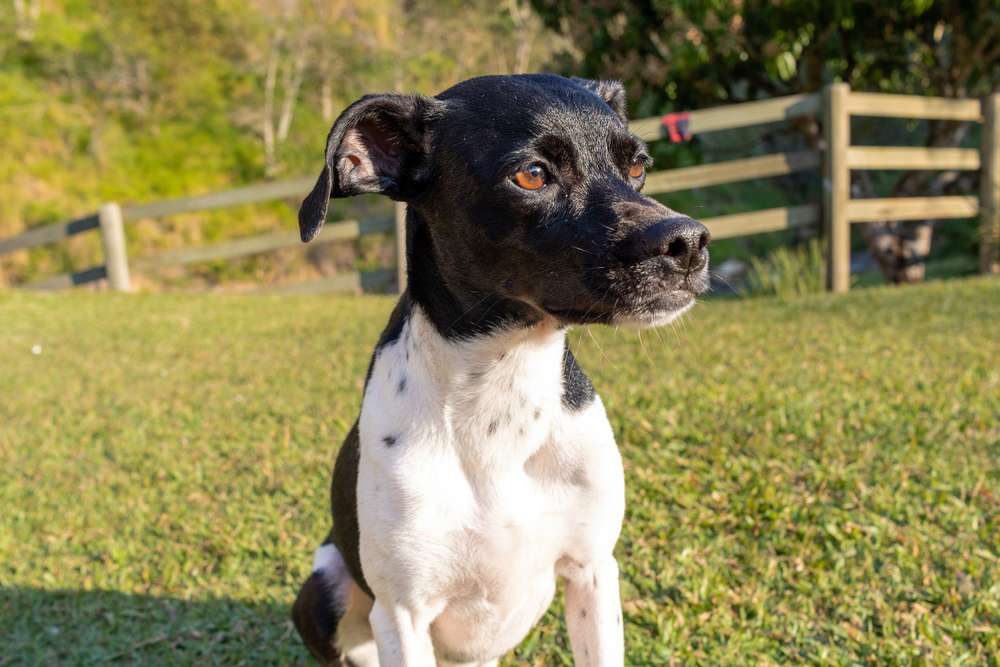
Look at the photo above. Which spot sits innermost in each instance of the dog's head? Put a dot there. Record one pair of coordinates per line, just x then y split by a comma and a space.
530, 190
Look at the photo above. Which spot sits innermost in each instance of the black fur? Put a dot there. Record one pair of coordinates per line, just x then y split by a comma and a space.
344, 507
316, 616
578, 391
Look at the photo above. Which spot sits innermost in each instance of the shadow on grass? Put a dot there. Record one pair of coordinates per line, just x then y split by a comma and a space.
40, 627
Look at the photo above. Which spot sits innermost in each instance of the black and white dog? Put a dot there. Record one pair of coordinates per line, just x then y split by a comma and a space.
483, 465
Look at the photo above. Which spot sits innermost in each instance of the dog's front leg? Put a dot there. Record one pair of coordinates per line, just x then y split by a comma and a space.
594, 614
402, 636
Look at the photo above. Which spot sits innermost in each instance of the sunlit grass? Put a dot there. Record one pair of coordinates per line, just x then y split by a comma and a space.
809, 481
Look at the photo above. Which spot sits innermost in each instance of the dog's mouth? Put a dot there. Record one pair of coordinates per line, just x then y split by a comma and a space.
642, 308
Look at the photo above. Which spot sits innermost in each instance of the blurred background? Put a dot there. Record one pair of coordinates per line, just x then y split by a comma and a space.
142, 101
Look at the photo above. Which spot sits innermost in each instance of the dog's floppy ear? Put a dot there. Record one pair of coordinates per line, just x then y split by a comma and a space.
612, 92
376, 145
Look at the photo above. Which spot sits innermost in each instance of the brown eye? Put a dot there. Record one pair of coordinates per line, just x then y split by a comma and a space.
531, 177
636, 170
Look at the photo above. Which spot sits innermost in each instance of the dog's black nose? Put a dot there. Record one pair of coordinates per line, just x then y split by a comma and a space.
680, 241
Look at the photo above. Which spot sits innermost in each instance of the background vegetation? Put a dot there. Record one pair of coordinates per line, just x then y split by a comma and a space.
138, 101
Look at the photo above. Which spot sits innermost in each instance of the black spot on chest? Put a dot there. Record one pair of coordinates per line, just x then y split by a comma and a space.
577, 390
390, 335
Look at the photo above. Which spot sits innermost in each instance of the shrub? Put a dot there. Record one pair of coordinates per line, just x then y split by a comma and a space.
788, 271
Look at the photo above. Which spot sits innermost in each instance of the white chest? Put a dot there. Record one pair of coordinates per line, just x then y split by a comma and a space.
476, 480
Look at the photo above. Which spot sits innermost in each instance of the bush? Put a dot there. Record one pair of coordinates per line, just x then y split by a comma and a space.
788, 271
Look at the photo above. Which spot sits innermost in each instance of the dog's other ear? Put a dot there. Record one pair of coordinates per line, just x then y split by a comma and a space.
612, 92
376, 145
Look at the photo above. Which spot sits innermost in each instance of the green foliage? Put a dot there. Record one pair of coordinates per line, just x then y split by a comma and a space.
703, 53
700, 53
808, 482
140, 101
788, 271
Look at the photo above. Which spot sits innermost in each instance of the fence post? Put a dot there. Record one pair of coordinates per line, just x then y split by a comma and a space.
837, 186
989, 187
113, 240
401, 246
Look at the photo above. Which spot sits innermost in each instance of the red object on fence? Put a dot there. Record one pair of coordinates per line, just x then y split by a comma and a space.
677, 126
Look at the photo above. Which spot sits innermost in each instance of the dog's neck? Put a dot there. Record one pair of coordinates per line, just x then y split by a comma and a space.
493, 363
456, 310
495, 396
492, 351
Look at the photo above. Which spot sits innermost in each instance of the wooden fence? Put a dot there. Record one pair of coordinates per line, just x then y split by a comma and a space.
835, 105
841, 211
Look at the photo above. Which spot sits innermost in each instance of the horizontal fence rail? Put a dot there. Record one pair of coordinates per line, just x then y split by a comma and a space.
759, 222
899, 157
366, 281
49, 234
731, 171
252, 194
734, 116
75, 279
912, 106
838, 211
912, 208
347, 230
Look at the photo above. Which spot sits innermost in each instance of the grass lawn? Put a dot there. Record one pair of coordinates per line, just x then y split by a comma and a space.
812, 481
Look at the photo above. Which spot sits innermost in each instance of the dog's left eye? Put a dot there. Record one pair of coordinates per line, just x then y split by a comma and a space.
637, 168
532, 177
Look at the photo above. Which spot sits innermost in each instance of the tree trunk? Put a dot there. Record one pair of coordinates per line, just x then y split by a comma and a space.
26, 13
267, 118
326, 99
291, 81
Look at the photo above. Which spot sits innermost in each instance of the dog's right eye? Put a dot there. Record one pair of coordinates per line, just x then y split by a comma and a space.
532, 177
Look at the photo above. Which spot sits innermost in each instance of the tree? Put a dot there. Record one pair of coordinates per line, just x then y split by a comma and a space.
698, 53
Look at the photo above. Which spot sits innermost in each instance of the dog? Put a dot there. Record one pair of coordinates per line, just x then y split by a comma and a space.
482, 466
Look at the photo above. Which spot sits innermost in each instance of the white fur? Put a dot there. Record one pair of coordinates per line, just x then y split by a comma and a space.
490, 488
656, 318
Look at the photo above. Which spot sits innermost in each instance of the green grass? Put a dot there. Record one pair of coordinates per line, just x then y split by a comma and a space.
809, 481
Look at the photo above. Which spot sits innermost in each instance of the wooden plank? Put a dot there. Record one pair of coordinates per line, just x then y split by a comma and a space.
912, 208
48, 234
731, 171
115, 250
66, 280
255, 245
758, 222
354, 282
341, 282
837, 186
989, 187
734, 115
913, 106
251, 194
377, 280
905, 157
401, 246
